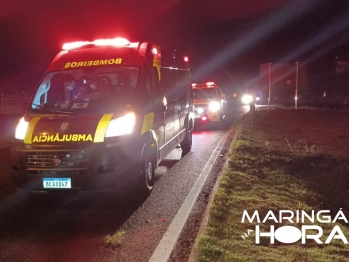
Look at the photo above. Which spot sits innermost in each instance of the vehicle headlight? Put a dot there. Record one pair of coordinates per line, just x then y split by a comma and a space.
214, 106
21, 129
121, 126
199, 110
246, 99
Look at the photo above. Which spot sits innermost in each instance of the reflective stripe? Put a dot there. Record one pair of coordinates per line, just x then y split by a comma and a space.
147, 122
102, 128
30, 130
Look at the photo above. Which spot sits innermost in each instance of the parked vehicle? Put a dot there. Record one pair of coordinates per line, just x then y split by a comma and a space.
209, 102
104, 115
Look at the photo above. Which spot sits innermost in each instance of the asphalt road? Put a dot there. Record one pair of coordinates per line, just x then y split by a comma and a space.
75, 227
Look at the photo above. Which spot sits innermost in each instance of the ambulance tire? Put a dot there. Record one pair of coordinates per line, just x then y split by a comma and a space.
223, 120
187, 142
146, 174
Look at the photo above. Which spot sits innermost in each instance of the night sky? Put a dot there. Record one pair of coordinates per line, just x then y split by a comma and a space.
225, 39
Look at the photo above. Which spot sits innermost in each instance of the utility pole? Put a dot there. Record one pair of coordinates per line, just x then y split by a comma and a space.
269, 86
296, 97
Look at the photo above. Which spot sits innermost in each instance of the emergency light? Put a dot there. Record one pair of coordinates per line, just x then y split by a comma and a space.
207, 85
117, 42
154, 50
73, 45
112, 42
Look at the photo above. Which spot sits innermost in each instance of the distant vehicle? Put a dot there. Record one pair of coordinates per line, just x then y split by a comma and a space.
209, 102
252, 95
104, 115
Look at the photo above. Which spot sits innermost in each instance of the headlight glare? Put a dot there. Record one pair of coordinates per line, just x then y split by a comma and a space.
214, 106
199, 110
21, 129
246, 99
121, 126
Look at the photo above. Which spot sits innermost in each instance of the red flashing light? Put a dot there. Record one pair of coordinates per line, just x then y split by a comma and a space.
203, 118
210, 83
118, 42
186, 59
193, 84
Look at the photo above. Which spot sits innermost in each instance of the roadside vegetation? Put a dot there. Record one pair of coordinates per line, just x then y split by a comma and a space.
282, 160
115, 240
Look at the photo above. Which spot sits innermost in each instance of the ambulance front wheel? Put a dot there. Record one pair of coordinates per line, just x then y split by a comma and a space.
187, 142
147, 175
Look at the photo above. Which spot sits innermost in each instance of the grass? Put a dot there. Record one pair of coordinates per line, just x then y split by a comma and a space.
284, 160
116, 239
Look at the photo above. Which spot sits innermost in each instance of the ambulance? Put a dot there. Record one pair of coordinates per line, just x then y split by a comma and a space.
209, 102
104, 115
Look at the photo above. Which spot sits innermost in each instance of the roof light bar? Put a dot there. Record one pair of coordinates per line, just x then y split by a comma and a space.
73, 45
118, 42
112, 42
206, 85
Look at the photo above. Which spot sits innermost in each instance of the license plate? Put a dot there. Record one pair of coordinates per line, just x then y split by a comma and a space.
56, 182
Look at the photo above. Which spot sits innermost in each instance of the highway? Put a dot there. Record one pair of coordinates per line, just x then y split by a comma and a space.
74, 229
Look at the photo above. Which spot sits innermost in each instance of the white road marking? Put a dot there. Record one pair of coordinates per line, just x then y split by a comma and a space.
164, 249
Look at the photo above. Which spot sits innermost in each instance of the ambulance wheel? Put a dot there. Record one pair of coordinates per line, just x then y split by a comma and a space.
187, 141
223, 120
147, 175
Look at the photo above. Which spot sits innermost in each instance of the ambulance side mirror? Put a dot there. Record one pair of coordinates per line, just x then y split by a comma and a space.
159, 102
223, 96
